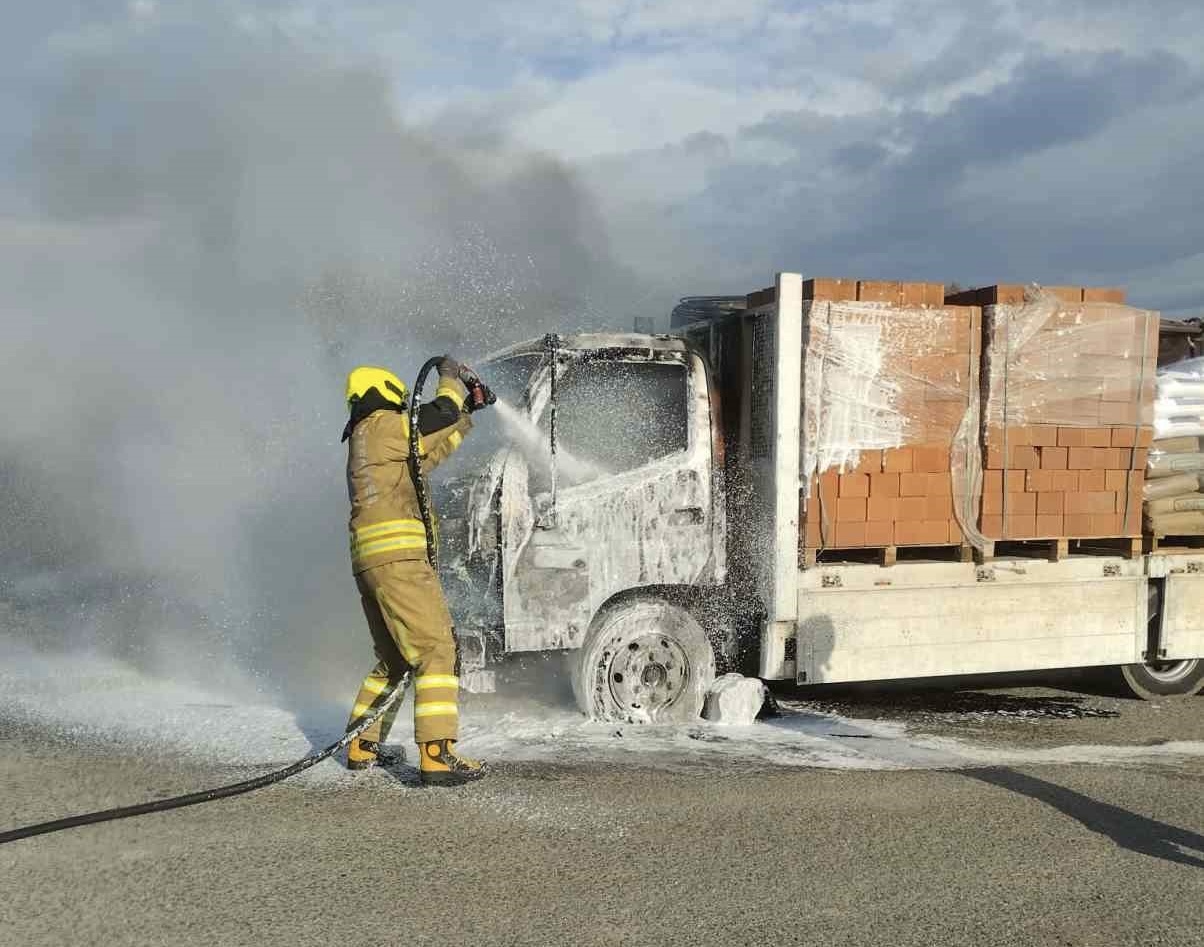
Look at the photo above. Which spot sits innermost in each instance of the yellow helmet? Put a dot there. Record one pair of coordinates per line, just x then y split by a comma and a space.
364, 377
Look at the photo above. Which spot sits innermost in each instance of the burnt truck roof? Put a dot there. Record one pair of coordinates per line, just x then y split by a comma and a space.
618, 342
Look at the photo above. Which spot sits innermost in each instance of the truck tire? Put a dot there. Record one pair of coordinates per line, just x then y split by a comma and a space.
644, 661
1168, 679
1161, 678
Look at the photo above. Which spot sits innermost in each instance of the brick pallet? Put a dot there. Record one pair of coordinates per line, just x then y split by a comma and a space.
897, 497
890, 372
1068, 387
907, 393
1047, 482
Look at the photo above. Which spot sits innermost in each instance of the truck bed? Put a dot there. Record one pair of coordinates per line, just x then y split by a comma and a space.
862, 622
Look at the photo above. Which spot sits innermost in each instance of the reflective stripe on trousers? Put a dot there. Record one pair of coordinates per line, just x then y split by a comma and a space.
435, 695
371, 692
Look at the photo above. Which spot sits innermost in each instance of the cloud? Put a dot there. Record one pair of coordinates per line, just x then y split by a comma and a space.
872, 134
660, 107
997, 185
1048, 102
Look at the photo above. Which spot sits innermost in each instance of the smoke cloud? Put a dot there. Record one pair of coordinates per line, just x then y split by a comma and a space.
208, 243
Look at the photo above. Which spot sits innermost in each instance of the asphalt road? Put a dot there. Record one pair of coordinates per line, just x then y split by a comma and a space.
727, 851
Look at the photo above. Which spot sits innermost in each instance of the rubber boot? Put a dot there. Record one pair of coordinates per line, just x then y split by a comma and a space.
364, 754
441, 765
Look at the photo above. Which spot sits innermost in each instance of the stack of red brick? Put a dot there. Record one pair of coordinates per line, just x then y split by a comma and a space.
1068, 387
889, 374
907, 393
1064, 482
895, 497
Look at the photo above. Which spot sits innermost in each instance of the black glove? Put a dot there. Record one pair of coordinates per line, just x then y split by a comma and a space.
448, 367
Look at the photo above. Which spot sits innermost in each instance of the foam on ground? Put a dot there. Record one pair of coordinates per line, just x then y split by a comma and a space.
97, 701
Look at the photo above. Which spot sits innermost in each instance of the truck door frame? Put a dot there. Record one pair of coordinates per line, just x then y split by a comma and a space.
525, 632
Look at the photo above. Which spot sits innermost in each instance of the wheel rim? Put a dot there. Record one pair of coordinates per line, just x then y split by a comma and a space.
648, 673
1170, 672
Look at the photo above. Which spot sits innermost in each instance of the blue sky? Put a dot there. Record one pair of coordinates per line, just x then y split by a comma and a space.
712, 144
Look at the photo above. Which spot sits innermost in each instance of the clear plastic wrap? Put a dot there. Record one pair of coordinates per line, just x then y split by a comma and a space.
1084, 364
1068, 392
879, 377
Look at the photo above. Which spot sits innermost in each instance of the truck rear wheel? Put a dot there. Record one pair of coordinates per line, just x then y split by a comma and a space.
1165, 679
644, 660
1161, 678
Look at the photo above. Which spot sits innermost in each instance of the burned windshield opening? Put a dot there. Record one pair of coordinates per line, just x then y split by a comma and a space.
509, 377
614, 416
495, 428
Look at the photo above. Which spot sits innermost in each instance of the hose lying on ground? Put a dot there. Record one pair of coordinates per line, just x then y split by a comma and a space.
208, 795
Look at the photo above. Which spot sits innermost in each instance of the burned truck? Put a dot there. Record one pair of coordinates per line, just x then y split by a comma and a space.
638, 503
594, 520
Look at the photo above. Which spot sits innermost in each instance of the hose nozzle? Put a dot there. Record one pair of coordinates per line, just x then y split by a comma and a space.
479, 394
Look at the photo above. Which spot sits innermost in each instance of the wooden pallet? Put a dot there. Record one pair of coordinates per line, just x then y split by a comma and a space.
1054, 550
1061, 547
886, 555
1173, 543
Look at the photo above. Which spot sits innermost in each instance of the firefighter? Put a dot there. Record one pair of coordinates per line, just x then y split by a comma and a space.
400, 592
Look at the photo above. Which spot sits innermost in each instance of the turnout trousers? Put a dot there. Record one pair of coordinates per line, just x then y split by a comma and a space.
411, 631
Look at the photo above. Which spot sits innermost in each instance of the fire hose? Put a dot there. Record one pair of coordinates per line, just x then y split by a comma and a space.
480, 395
208, 795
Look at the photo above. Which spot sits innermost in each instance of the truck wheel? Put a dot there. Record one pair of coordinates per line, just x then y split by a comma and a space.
1166, 679
1162, 678
644, 661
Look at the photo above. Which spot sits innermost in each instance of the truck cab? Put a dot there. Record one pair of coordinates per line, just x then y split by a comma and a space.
595, 489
